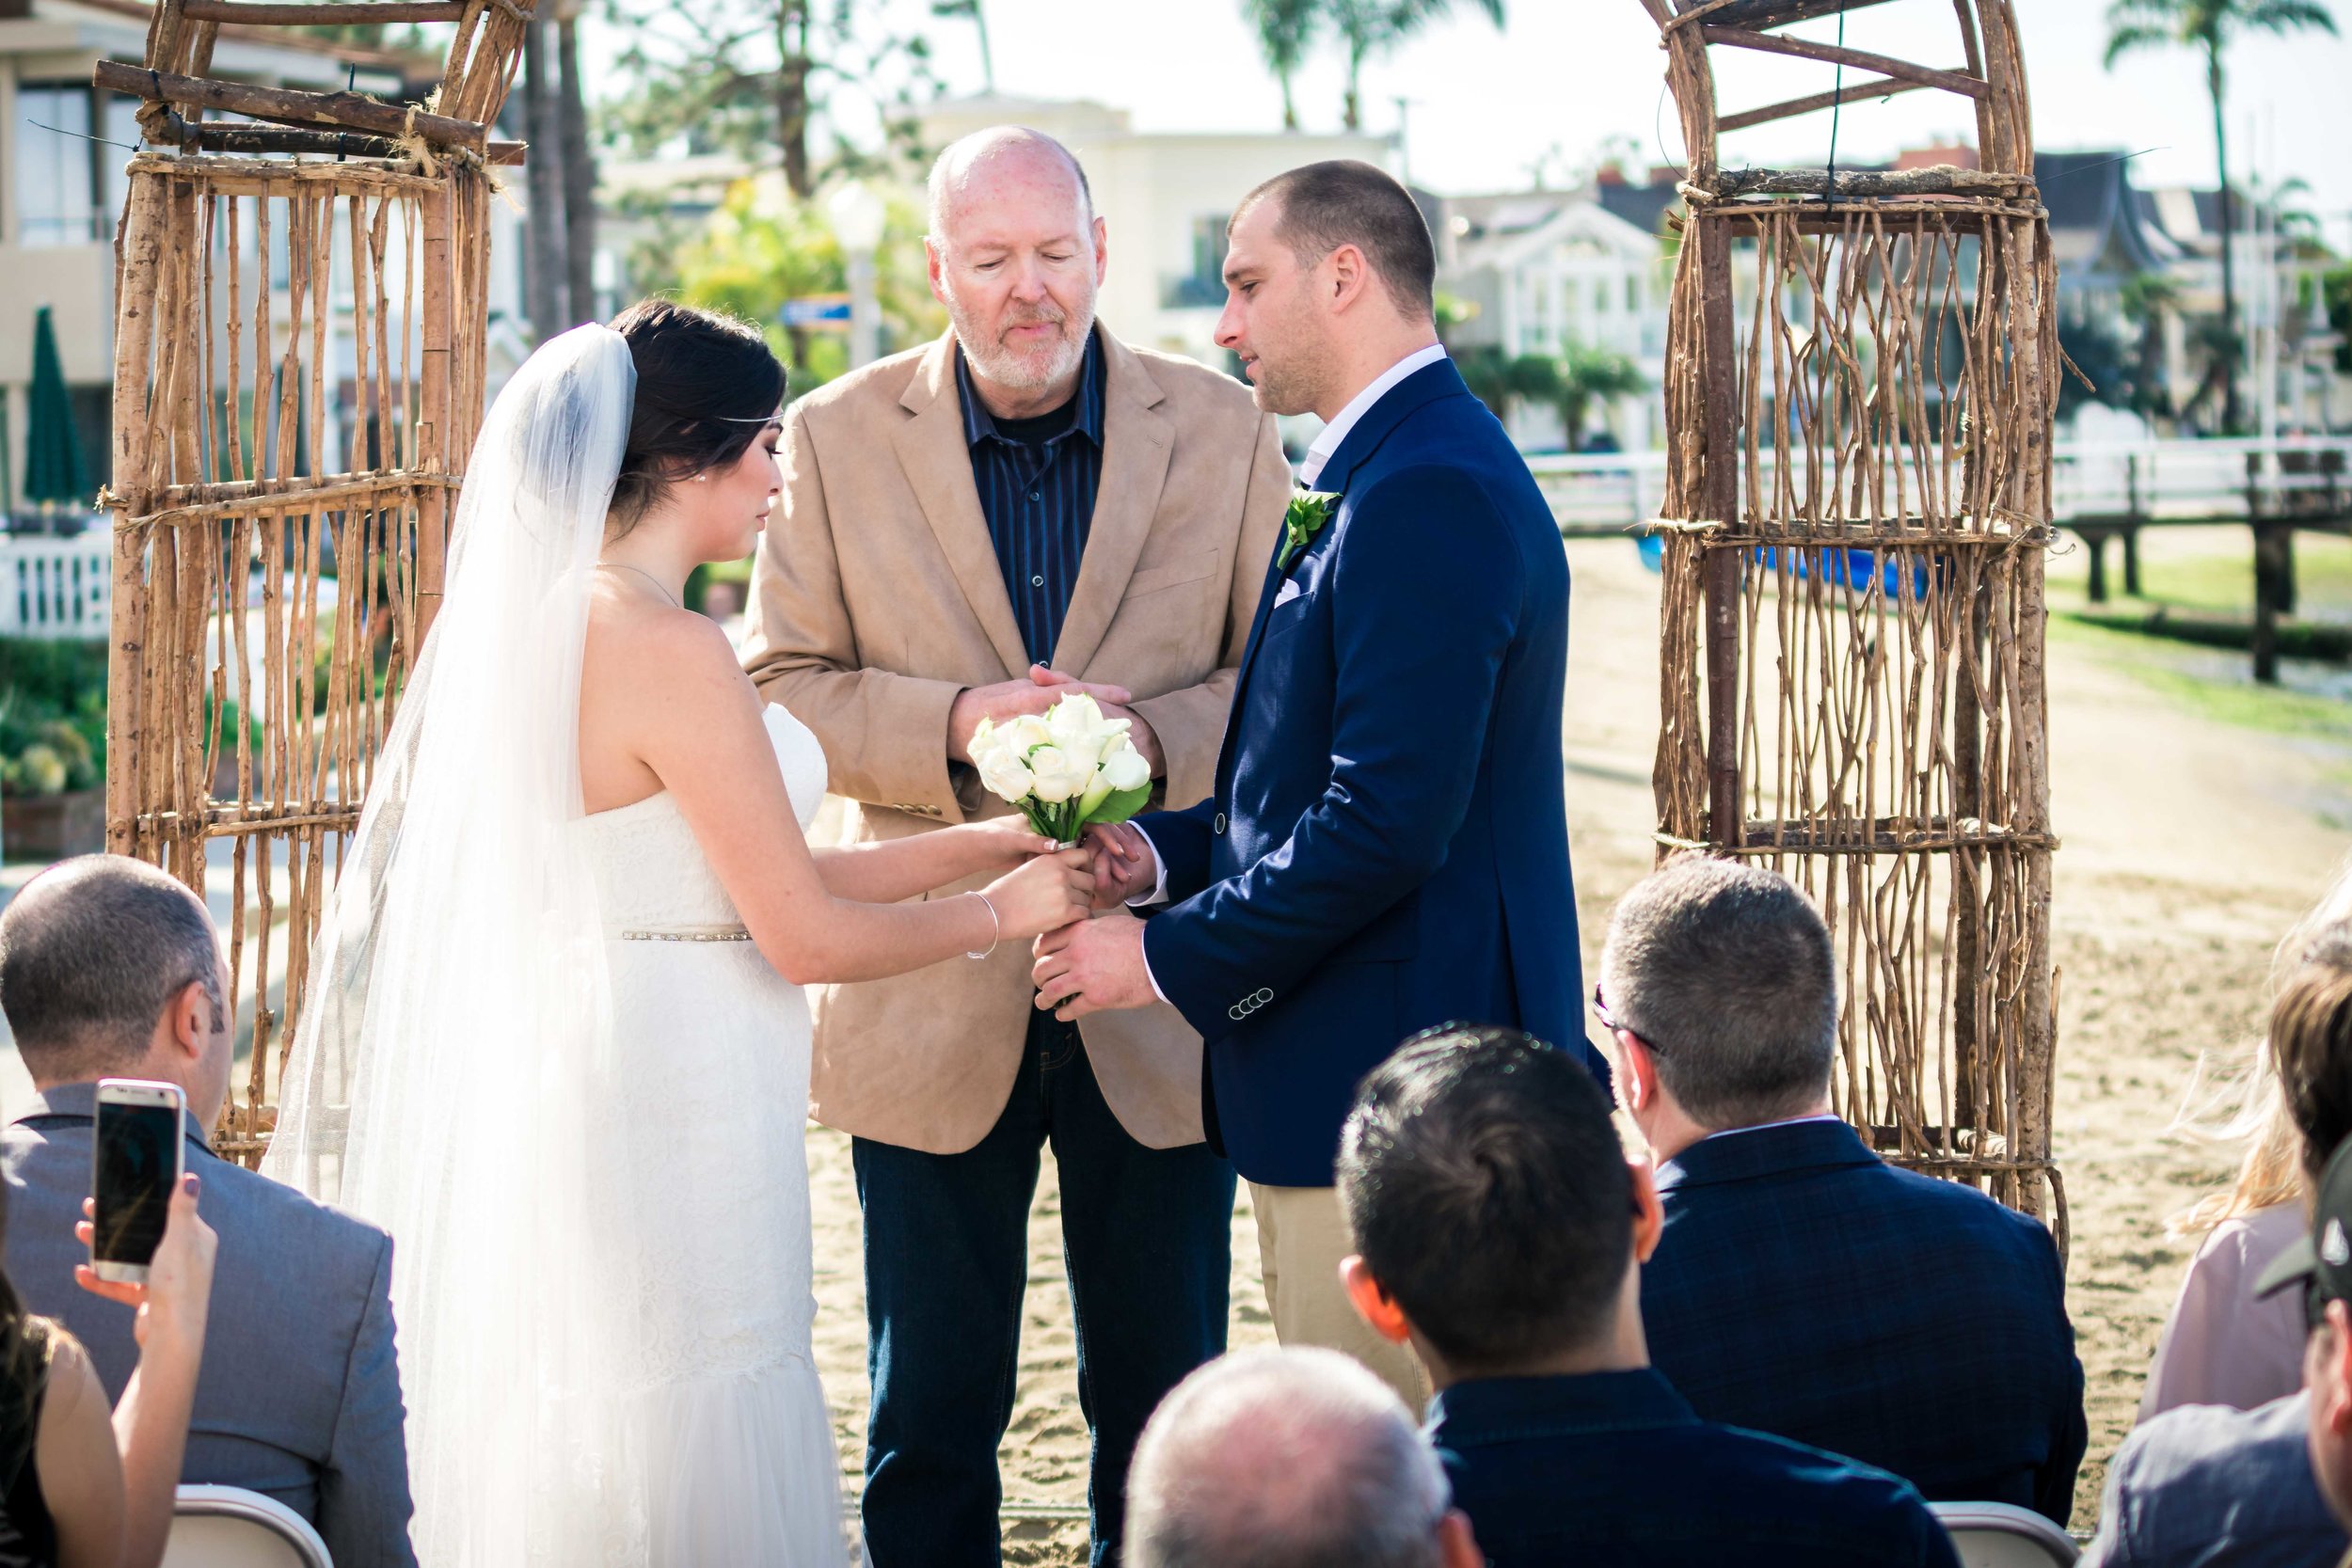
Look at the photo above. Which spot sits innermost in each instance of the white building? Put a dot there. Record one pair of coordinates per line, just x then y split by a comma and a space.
1536, 271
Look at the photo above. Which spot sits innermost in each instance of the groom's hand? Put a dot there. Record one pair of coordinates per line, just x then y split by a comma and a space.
1093, 966
1034, 693
1125, 865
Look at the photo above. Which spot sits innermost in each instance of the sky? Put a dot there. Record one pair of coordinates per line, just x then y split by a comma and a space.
1565, 80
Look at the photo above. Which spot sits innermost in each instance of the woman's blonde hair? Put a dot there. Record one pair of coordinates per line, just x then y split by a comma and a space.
2249, 1105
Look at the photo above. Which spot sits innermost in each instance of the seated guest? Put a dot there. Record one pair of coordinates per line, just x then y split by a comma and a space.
1499, 1231
109, 969
1805, 1287
2205, 1485
2221, 1346
1289, 1459
93, 1486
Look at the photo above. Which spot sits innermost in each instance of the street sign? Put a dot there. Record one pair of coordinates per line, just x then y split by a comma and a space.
826, 312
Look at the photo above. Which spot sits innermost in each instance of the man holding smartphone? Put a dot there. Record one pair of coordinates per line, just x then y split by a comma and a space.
110, 969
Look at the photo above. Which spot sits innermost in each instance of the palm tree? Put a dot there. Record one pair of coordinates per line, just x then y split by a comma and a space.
2209, 27
1286, 29
1586, 375
1370, 28
970, 10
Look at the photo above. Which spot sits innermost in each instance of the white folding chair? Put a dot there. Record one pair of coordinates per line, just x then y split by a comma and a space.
2002, 1535
227, 1526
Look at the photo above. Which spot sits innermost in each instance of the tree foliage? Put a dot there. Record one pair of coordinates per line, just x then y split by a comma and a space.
1365, 30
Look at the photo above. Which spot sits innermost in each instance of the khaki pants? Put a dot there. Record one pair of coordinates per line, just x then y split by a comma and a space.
1302, 1236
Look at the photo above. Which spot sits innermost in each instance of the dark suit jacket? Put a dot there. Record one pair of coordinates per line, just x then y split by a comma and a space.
1386, 845
1612, 1468
1807, 1287
299, 1396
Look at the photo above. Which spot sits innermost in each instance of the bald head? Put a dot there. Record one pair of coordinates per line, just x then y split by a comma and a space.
1007, 160
1283, 1459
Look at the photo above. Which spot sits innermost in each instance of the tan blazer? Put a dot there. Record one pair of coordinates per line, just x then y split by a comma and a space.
877, 597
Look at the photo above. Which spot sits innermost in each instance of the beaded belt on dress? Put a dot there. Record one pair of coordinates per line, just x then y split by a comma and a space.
686, 933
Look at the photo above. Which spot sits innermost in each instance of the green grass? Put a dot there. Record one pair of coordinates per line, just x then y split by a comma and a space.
2216, 581
2156, 663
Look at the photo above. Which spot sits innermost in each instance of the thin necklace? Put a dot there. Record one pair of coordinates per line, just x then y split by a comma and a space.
668, 598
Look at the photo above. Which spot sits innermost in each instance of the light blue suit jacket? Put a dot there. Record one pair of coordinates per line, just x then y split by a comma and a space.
299, 1396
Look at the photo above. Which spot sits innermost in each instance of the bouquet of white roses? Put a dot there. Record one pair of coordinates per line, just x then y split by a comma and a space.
1065, 770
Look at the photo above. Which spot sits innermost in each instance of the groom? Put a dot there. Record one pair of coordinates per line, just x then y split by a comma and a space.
1386, 845
1024, 508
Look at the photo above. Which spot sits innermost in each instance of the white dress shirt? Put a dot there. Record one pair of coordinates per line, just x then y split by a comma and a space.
1318, 454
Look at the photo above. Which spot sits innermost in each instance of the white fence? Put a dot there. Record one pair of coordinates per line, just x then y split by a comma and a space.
57, 588
2154, 479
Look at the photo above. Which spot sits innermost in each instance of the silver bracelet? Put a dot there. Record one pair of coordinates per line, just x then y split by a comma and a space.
997, 932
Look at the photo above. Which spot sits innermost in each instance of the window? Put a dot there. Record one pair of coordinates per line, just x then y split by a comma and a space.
1633, 294
56, 192
122, 129
1204, 285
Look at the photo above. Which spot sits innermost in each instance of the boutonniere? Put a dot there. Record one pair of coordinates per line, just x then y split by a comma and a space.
1309, 511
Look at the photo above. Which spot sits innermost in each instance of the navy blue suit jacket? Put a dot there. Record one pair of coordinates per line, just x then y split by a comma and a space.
1387, 846
1807, 1287
1613, 1469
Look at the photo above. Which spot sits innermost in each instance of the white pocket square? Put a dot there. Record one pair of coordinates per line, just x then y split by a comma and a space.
1290, 591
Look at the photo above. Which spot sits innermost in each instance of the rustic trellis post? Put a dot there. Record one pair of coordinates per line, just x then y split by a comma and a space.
1861, 373
298, 372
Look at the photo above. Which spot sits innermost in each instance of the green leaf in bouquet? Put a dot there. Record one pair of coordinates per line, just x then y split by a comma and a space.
1120, 805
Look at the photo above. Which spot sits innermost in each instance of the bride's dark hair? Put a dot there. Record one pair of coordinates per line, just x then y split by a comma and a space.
707, 386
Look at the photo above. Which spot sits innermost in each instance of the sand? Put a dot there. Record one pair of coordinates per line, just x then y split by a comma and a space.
2190, 844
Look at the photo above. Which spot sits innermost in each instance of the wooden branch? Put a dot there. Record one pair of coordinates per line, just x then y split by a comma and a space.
200, 137
345, 109
1936, 179
1829, 53
1884, 87
1697, 13
1756, 15
359, 12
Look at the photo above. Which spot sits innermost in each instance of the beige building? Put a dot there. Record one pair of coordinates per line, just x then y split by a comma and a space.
62, 147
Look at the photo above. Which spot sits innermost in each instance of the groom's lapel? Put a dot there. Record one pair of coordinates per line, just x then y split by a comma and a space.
1136, 441
938, 464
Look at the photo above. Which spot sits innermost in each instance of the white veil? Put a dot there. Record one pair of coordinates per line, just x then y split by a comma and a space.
451, 1077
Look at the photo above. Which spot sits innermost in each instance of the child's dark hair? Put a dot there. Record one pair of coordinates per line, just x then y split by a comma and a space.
707, 386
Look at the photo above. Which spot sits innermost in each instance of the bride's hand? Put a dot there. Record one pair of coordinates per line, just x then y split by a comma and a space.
1043, 896
1005, 841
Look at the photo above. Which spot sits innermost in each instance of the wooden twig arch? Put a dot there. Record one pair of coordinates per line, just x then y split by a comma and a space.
1868, 363
298, 376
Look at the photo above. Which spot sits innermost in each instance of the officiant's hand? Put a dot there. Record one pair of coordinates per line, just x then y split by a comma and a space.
1093, 966
1125, 867
1049, 892
1034, 693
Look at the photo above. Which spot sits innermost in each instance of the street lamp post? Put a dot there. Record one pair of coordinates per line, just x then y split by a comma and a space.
858, 213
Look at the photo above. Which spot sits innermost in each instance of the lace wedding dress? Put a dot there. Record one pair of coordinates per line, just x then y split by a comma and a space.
714, 1183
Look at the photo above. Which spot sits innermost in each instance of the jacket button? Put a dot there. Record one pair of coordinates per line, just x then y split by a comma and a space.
1217, 824
1235, 1012
1263, 997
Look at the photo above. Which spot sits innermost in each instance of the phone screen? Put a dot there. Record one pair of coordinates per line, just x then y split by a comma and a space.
138, 1159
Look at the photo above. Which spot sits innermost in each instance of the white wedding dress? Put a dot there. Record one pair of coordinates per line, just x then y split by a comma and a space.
714, 1184
585, 1143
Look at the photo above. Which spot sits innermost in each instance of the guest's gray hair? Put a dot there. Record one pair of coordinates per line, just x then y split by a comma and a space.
91, 952
953, 167
1726, 971
1283, 1459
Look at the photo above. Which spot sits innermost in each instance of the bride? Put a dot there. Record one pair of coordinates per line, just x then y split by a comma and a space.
557, 1044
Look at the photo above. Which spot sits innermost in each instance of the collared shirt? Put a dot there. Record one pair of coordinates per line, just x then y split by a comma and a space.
1615, 1467
1324, 444
1037, 480
2206, 1484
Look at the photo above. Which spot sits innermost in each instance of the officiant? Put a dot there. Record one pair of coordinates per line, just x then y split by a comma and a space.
1025, 508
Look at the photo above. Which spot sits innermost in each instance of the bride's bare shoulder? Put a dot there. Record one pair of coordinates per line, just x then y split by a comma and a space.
638, 651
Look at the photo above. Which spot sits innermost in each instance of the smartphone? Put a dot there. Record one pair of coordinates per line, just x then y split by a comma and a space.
136, 1166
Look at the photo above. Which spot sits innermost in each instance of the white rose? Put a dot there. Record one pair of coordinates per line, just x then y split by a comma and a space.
1057, 776
1126, 769
1006, 776
1025, 731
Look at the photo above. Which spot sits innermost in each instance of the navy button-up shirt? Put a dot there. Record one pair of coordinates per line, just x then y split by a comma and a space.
1613, 1468
1037, 480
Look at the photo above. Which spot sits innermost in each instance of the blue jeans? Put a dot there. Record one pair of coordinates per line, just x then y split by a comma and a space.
1147, 1241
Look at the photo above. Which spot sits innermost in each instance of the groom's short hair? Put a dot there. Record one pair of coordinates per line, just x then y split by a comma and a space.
1488, 1195
1344, 201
